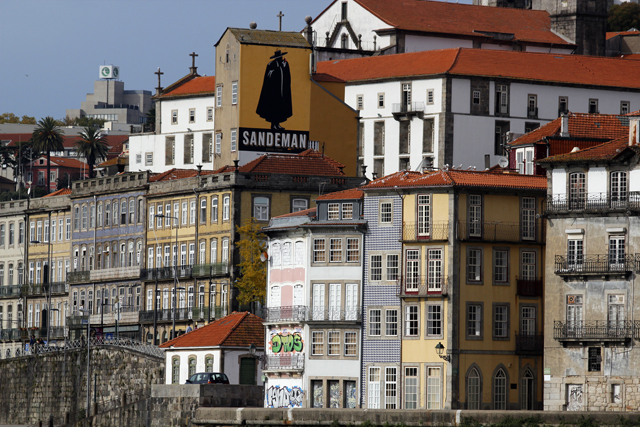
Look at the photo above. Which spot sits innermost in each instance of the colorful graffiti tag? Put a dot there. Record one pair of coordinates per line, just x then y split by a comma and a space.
284, 397
286, 343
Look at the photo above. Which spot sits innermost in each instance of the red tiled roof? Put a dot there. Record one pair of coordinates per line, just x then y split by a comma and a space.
174, 173
308, 162
321, 77
464, 19
353, 193
306, 212
61, 192
65, 162
123, 160
543, 67
237, 329
459, 178
15, 137
611, 35
581, 125
606, 151
197, 86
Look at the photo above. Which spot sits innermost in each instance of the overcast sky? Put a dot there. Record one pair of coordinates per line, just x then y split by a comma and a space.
51, 50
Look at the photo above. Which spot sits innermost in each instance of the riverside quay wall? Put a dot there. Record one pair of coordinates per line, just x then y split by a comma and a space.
37, 387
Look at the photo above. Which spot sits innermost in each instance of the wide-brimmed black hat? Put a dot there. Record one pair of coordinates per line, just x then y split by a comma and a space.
278, 54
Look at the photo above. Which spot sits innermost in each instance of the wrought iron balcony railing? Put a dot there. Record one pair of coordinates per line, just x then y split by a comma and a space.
422, 286
501, 231
408, 107
182, 314
296, 313
530, 288
579, 265
206, 270
11, 291
10, 334
529, 344
74, 277
285, 362
120, 273
334, 314
418, 231
43, 288
185, 271
601, 330
593, 202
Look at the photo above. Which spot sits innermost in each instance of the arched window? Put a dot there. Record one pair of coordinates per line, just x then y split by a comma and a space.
175, 365
208, 363
527, 391
500, 390
192, 365
473, 389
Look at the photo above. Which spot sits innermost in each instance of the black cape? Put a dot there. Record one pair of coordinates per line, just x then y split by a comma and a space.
275, 99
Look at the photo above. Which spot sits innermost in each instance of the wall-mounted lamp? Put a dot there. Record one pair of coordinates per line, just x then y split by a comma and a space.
440, 350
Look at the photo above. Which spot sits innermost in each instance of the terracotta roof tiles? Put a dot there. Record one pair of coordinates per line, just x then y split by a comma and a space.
61, 192
613, 34
602, 152
353, 193
306, 212
308, 162
196, 86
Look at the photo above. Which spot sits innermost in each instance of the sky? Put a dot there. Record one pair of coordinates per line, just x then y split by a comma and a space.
51, 50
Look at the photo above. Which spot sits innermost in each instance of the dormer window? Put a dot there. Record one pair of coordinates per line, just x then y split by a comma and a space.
333, 211
347, 211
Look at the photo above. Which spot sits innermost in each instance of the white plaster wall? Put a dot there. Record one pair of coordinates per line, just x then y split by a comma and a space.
414, 43
183, 106
634, 180
559, 182
333, 368
472, 139
142, 144
597, 180
184, 362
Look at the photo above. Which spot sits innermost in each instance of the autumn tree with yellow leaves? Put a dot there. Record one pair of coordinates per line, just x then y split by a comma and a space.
252, 284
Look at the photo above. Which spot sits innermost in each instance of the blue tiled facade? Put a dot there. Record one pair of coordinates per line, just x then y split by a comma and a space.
380, 350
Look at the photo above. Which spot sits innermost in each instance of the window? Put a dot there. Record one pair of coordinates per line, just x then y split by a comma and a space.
169, 150
203, 210
317, 343
359, 98
333, 211
381, 100
500, 390
207, 139
375, 325
502, 99
593, 106
226, 208
261, 208
433, 387
319, 254
84, 220
148, 159
616, 252
474, 265
412, 270
373, 388
528, 321
234, 94
500, 321
574, 315
616, 312
500, 140
434, 273
430, 97
434, 320
476, 97
411, 388
424, 215
184, 213
175, 370
188, 149
625, 107
378, 138
353, 249
392, 267
475, 215
234, 139
317, 393
68, 228
411, 328
563, 105
123, 212
214, 209
151, 216
529, 127
390, 387
218, 143
334, 343
335, 250
618, 189
501, 266
595, 359
209, 114
350, 343
528, 218
532, 106
343, 10
299, 204
219, 96
474, 321
132, 212
174, 117
577, 190
21, 232
386, 216
376, 268
575, 255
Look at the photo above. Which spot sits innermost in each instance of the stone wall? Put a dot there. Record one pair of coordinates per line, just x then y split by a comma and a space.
37, 387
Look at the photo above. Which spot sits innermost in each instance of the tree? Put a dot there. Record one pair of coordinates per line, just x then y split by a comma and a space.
47, 137
252, 284
12, 118
92, 146
623, 17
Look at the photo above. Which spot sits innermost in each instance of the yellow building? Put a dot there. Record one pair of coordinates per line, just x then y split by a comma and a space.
470, 289
46, 290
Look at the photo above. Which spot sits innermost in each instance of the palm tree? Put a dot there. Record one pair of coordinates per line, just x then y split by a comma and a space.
47, 137
93, 147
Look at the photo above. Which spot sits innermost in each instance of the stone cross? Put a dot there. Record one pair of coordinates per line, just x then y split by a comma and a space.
280, 15
193, 62
159, 73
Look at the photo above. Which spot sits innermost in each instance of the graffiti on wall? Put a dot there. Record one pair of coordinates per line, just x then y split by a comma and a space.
286, 341
284, 397
575, 397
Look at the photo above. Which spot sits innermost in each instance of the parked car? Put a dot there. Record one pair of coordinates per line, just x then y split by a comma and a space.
208, 378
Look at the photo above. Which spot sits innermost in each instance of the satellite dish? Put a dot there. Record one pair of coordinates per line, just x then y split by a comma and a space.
503, 162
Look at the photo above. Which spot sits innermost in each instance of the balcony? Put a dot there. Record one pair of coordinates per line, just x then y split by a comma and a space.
530, 344
599, 203
108, 316
500, 232
75, 277
11, 291
55, 332
10, 334
321, 314
595, 330
206, 270
422, 286
285, 362
41, 289
602, 264
185, 271
296, 313
405, 111
183, 314
418, 231
115, 274
530, 288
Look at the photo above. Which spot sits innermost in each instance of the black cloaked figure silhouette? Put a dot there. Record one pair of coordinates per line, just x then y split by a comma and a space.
275, 98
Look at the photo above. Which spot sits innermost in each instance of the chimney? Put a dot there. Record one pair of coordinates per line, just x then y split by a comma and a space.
564, 126
487, 161
634, 138
308, 34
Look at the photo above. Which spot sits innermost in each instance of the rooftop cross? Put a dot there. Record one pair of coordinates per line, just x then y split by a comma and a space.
280, 15
159, 73
193, 68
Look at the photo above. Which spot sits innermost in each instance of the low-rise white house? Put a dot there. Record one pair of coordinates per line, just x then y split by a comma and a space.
221, 346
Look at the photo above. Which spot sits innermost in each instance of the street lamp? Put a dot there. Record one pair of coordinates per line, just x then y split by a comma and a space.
82, 310
440, 350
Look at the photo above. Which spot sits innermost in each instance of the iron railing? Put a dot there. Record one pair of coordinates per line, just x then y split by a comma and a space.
596, 264
74, 277
182, 314
334, 314
407, 107
40, 289
530, 288
283, 362
10, 334
501, 231
529, 344
185, 271
10, 291
296, 313
593, 202
422, 286
131, 344
215, 269
595, 330
418, 231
